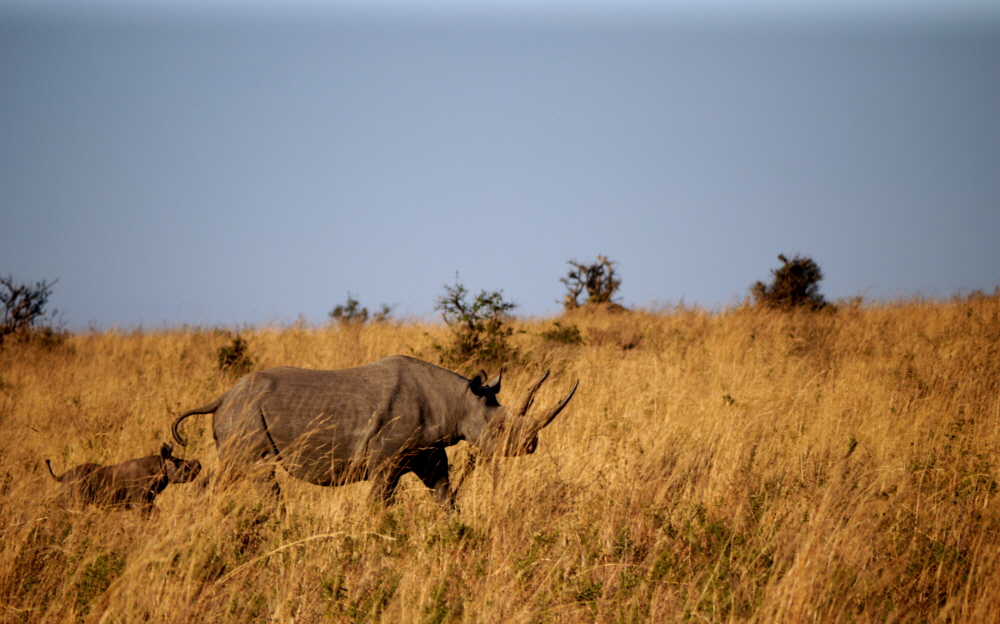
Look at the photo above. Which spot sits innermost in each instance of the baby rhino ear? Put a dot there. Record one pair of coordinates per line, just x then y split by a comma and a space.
167, 450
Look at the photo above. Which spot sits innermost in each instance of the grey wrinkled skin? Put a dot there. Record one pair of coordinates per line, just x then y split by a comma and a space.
373, 422
134, 483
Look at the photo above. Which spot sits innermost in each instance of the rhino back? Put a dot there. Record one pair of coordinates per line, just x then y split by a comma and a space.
329, 425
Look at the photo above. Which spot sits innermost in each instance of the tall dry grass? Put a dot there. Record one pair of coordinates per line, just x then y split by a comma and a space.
744, 466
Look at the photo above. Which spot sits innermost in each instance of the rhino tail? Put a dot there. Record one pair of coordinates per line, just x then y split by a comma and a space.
205, 409
51, 472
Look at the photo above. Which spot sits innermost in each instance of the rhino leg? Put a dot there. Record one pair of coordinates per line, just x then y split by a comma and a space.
149, 510
431, 466
270, 491
246, 450
384, 483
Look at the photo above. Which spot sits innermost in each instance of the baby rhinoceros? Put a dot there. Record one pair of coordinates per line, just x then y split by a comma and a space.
135, 482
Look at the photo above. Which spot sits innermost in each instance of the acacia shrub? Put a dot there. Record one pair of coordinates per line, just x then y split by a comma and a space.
23, 308
235, 358
795, 284
597, 279
352, 313
480, 328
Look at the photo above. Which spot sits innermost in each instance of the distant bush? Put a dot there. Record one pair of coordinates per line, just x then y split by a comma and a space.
351, 312
235, 358
384, 313
570, 334
23, 307
623, 338
479, 327
597, 279
795, 285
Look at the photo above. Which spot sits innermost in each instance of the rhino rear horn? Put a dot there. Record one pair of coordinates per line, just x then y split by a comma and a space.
529, 397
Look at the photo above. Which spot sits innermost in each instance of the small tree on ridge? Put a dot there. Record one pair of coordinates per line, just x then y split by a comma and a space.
479, 327
597, 279
795, 284
23, 305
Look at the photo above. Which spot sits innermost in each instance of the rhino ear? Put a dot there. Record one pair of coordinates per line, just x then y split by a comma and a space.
476, 383
493, 385
167, 450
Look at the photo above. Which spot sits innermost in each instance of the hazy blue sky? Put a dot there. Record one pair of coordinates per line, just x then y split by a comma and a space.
253, 161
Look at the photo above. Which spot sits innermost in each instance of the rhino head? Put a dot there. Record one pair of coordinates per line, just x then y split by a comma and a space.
176, 469
511, 432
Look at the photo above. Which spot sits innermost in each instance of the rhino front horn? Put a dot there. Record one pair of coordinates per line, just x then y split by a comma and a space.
546, 418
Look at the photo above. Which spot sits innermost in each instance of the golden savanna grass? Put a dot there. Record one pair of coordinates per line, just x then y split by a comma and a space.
740, 466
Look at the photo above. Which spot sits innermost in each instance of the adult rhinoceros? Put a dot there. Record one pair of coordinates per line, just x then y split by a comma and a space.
377, 421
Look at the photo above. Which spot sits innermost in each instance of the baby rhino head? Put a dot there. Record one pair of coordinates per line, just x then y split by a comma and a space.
178, 470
